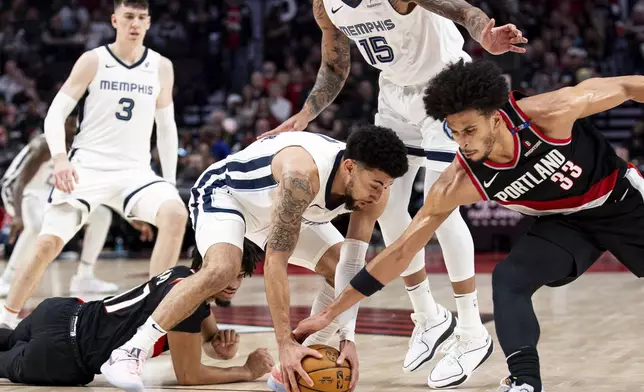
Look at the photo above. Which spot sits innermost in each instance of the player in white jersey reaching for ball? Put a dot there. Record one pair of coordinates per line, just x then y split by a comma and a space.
281, 193
25, 187
410, 41
124, 88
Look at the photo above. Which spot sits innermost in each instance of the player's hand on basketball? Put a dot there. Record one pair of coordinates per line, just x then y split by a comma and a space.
65, 176
348, 351
291, 355
147, 234
259, 362
225, 343
311, 325
16, 227
499, 40
297, 122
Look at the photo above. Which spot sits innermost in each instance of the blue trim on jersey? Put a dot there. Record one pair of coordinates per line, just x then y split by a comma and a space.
134, 192
145, 55
211, 209
245, 184
352, 3
441, 156
329, 184
415, 151
86, 204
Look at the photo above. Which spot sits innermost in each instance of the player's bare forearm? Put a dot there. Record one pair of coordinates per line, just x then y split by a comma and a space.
295, 194
209, 375
336, 63
459, 11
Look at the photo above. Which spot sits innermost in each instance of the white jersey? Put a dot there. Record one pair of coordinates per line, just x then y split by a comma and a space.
39, 185
247, 177
408, 49
117, 113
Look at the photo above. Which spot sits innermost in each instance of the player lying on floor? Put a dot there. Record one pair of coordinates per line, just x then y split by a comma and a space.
65, 341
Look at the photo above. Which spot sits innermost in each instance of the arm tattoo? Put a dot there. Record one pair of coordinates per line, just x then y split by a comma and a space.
335, 66
459, 11
295, 196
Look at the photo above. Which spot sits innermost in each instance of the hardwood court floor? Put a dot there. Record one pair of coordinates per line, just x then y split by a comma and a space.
591, 337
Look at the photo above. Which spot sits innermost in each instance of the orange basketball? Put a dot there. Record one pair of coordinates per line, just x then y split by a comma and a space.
326, 374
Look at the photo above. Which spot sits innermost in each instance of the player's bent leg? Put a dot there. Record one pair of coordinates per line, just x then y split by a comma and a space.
471, 344
219, 237
532, 263
32, 216
60, 224
160, 204
84, 281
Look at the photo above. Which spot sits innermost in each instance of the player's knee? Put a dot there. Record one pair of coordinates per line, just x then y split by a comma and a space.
48, 246
507, 280
328, 263
172, 216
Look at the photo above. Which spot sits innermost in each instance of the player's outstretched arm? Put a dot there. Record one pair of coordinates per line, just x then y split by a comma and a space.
334, 70
185, 349
452, 189
555, 112
38, 156
167, 136
496, 40
298, 179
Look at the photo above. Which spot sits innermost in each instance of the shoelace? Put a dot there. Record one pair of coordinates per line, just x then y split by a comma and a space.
135, 365
453, 348
417, 334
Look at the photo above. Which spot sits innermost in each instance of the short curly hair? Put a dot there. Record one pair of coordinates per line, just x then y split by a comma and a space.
378, 148
251, 255
462, 86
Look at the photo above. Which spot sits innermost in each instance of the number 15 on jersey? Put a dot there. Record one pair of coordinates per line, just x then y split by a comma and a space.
377, 50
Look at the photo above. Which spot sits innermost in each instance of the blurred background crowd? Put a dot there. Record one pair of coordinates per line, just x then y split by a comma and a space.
244, 66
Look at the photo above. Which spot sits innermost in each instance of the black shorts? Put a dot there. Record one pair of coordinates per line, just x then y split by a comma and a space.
617, 226
42, 349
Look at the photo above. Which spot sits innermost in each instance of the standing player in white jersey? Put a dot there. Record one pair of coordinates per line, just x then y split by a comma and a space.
25, 187
281, 193
410, 41
124, 88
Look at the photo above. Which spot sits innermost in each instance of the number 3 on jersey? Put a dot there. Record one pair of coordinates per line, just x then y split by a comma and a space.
126, 111
377, 50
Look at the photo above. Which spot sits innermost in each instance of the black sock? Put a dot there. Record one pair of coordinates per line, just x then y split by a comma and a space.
524, 368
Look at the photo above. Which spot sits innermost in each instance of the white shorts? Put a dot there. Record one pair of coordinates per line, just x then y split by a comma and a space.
136, 193
228, 225
401, 108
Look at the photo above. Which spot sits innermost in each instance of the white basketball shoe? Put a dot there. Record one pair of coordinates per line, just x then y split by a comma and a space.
463, 355
91, 285
124, 369
428, 335
509, 385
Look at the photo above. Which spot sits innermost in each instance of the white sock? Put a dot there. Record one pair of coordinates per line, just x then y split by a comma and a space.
324, 298
146, 336
469, 319
422, 300
9, 316
85, 270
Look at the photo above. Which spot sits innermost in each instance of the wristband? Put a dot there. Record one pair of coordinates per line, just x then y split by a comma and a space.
365, 283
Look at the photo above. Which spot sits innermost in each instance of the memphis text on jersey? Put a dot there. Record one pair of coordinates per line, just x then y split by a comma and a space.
367, 28
127, 87
546, 167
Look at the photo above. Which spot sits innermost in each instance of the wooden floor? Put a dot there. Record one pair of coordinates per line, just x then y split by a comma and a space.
591, 332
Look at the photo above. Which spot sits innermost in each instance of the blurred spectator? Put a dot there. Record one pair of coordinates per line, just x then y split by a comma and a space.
236, 39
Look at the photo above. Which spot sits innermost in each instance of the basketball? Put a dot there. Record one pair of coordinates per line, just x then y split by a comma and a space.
326, 374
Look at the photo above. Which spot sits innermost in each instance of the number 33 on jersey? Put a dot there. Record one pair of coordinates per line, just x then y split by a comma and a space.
408, 49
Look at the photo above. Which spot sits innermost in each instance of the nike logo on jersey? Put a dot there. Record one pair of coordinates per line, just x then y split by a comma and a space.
488, 183
110, 66
333, 11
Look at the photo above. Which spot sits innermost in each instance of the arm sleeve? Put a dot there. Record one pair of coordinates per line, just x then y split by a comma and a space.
167, 142
58, 112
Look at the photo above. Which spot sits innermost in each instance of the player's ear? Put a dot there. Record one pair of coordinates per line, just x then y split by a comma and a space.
113, 20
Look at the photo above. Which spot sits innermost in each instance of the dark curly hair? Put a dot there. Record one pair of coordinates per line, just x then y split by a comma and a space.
378, 148
139, 4
463, 86
251, 255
